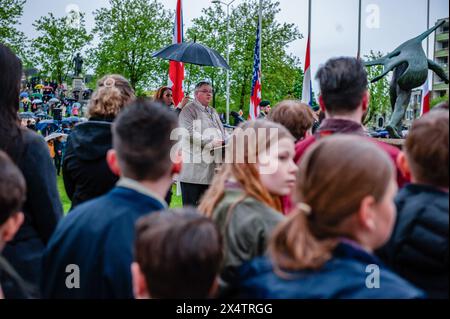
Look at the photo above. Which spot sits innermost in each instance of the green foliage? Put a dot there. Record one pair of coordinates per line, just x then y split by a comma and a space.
59, 40
379, 92
10, 13
439, 100
129, 32
282, 75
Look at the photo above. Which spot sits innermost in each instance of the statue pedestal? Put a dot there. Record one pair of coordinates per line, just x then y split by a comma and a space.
78, 87
78, 84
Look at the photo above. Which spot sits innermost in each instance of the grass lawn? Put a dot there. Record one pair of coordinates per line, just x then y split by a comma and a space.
176, 200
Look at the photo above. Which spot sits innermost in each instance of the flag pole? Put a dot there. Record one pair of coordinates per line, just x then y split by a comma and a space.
260, 33
359, 29
309, 20
428, 27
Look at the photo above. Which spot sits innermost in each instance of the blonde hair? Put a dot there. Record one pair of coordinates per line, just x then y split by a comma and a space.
245, 172
112, 94
335, 176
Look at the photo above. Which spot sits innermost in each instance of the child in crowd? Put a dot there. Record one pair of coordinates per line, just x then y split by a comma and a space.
12, 197
297, 117
178, 255
418, 249
345, 210
245, 197
98, 235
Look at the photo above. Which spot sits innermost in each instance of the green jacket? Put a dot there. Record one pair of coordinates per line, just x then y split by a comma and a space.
246, 230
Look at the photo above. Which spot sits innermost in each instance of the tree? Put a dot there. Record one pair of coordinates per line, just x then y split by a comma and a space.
129, 32
380, 103
10, 12
281, 72
439, 100
59, 40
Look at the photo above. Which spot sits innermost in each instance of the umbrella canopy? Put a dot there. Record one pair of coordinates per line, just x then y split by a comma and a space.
37, 95
47, 122
72, 119
48, 88
37, 101
54, 136
39, 87
26, 115
24, 95
76, 104
193, 53
53, 100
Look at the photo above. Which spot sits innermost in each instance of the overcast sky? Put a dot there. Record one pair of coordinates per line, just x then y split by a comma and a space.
334, 22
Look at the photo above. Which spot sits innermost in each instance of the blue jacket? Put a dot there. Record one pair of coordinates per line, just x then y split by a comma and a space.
98, 237
342, 277
418, 248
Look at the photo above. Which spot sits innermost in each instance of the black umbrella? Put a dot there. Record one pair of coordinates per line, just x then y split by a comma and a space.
192, 53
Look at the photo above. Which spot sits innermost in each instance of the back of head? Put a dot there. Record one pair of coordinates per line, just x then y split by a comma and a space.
426, 149
112, 94
297, 117
12, 188
335, 175
142, 140
10, 78
179, 253
343, 83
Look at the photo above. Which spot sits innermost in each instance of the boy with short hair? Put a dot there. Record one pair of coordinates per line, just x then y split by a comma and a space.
12, 197
418, 248
178, 256
90, 254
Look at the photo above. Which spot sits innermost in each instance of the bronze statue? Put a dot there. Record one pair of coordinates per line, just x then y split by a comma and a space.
78, 63
410, 65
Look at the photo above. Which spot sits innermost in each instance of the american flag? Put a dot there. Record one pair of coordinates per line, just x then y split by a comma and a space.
255, 98
176, 69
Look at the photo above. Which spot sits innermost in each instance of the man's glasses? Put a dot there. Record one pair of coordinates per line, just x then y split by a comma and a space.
207, 92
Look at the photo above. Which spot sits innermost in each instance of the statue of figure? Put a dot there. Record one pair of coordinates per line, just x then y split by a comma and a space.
410, 65
78, 64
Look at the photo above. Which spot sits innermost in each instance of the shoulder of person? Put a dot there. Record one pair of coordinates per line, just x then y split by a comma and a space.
252, 213
302, 146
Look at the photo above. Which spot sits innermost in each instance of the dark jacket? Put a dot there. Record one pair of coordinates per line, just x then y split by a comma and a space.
97, 237
418, 248
342, 277
42, 209
85, 171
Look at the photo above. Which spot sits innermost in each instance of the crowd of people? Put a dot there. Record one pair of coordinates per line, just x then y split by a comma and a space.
308, 207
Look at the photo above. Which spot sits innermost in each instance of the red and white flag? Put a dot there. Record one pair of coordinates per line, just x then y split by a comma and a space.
425, 98
307, 80
176, 69
255, 98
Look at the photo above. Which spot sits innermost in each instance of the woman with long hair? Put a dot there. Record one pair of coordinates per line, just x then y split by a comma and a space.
164, 95
345, 211
42, 209
245, 197
85, 171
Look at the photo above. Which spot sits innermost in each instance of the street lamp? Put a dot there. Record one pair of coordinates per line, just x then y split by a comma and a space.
228, 54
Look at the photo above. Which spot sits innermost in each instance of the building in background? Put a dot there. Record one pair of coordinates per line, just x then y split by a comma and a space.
441, 57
